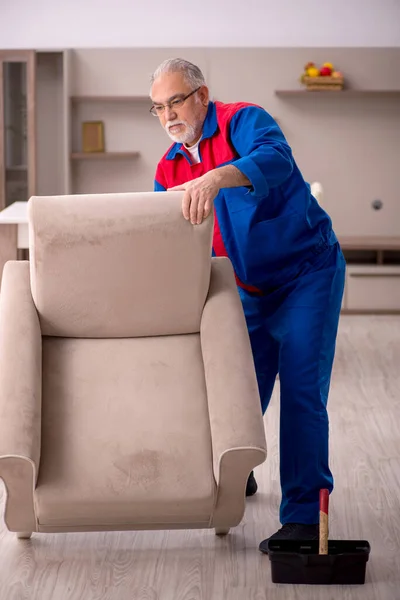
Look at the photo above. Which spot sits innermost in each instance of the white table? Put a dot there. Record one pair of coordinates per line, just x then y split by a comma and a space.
17, 214
14, 233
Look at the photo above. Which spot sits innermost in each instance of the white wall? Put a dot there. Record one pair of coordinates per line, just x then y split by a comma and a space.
152, 23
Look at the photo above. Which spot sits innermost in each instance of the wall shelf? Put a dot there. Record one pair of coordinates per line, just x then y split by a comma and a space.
345, 92
371, 250
116, 99
17, 168
370, 243
103, 155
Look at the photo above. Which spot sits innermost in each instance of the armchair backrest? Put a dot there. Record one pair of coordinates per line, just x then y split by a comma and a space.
117, 265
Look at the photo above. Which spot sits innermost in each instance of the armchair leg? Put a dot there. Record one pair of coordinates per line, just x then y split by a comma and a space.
222, 530
24, 535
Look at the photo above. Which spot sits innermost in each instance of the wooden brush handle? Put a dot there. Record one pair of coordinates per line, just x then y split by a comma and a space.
323, 521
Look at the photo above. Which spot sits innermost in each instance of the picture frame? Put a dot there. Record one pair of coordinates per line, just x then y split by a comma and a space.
93, 136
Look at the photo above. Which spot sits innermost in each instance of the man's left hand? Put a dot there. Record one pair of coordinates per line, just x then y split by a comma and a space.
199, 197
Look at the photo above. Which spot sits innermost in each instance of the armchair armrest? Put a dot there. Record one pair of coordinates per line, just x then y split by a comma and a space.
237, 427
20, 395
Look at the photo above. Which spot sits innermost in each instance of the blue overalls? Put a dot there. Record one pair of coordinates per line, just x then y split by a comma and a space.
290, 272
293, 333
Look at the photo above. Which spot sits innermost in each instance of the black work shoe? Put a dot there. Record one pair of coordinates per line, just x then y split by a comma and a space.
292, 531
251, 486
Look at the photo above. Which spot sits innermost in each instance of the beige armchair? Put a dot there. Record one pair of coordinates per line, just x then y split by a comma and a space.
128, 396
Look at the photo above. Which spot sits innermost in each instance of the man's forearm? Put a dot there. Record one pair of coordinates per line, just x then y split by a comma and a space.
229, 177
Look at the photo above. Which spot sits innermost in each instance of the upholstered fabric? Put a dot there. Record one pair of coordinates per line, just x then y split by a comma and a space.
236, 423
233, 398
118, 265
20, 365
125, 432
128, 394
20, 393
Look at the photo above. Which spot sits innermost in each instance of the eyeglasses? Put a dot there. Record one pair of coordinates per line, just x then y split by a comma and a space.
158, 109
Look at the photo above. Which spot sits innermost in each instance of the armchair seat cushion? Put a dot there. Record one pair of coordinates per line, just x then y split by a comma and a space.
125, 433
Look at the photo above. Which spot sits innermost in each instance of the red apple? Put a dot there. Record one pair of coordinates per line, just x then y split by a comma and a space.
325, 71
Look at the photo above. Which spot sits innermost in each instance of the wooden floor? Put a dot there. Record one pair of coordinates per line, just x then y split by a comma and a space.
194, 565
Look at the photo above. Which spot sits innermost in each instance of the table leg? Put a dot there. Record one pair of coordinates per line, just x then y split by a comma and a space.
23, 254
8, 244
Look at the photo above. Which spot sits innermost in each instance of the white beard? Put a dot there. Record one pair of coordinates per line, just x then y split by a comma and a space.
185, 137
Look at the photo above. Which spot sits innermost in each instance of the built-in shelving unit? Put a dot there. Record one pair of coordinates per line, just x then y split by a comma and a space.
373, 261
372, 274
347, 139
114, 168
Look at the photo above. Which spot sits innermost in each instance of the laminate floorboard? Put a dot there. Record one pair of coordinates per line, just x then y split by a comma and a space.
364, 408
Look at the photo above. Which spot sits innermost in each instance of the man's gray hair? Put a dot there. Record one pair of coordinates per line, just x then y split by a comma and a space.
192, 74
